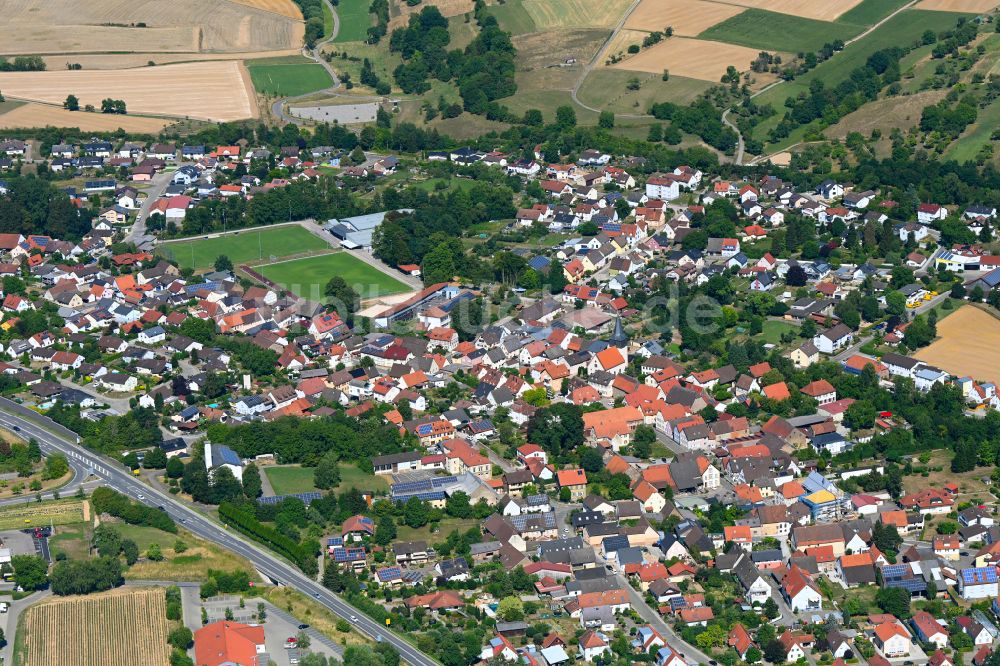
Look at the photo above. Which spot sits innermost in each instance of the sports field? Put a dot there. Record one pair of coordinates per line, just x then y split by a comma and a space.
248, 245
308, 277
968, 344
354, 20
288, 77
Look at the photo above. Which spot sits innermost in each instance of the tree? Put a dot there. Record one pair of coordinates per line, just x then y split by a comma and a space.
642, 441
222, 263
558, 428
155, 459
416, 513
181, 638
753, 655
327, 472
860, 415
342, 296
886, 537
30, 572
894, 601
71, 103
565, 117
771, 609
385, 531
510, 609
591, 459
796, 276
606, 120
775, 652
252, 486
175, 468
154, 553
438, 265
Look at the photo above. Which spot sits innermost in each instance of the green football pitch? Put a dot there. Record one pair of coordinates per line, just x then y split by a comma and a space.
249, 245
308, 277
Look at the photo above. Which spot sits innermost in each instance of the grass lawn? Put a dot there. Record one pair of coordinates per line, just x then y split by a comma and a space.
288, 76
435, 184
327, 20
977, 135
354, 20
773, 330
192, 564
761, 29
307, 277
606, 89
291, 479
73, 540
353, 477
404, 533
248, 245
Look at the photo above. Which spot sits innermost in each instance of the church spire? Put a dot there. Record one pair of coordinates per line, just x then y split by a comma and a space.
619, 338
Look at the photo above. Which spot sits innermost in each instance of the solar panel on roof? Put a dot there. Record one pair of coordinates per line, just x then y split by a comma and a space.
390, 573
895, 570
979, 575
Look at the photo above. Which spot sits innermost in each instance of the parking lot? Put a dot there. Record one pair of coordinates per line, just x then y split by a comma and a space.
278, 627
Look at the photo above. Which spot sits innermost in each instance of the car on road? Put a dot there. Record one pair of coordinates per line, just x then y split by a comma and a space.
17, 428
316, 594
291, 642
303, 626
354, 618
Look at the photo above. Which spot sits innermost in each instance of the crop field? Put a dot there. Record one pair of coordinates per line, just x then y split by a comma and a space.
308, 277
968, 344
247, 245
283, 7
70, 26
968, 6
99, 629
43, 115
821, 11
203, 90
869, 12
354, 20
520, 17
555, 14
687, 18
903, 28
288, 76
762, 29
691, 58
35, 514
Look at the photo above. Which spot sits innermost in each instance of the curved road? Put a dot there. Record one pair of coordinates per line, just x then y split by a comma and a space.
738, 158
269, 565
316, 55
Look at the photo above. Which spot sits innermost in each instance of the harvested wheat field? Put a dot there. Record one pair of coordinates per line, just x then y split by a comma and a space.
969, 6
828, 10
131, 60
968, 344
203, 90
619, 43
448, 8
556, 14
97, 630
688, 18
43, 115
692, 58
70, 26
282, 7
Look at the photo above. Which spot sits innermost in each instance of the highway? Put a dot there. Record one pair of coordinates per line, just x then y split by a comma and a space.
277, 570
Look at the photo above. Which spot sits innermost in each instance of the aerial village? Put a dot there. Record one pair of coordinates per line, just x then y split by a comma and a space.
589, 481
